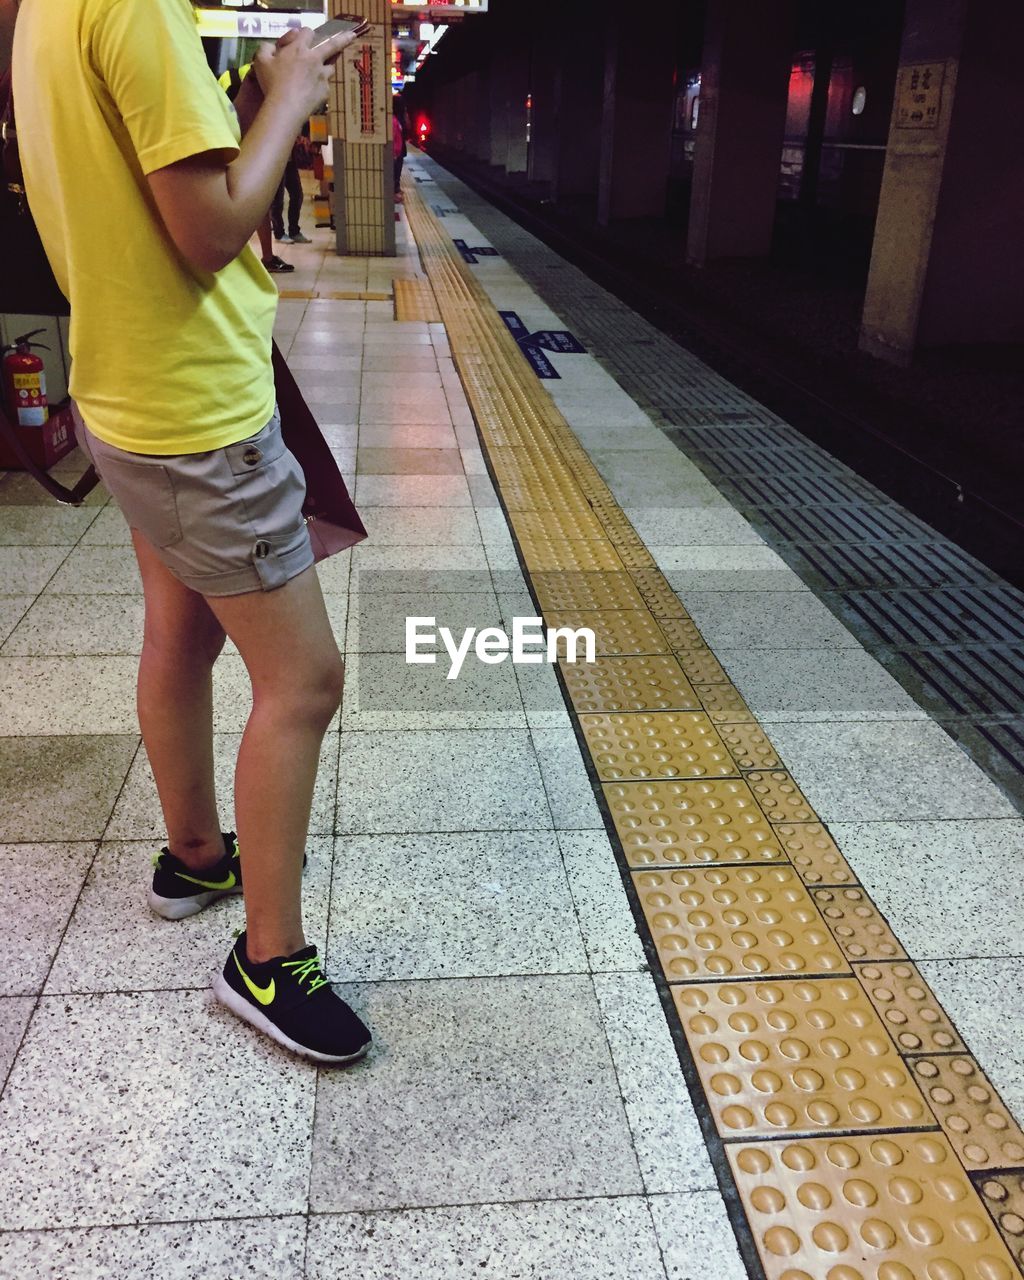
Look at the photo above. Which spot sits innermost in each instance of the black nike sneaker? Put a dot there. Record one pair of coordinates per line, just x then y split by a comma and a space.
179, 891
289, 999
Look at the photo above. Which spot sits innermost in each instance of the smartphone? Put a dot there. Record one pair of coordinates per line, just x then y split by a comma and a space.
336, 27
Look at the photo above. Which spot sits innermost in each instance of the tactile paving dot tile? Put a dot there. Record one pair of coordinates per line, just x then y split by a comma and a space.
723, 704
555, 525
594, 590
658, 595
648, 682
916, 1020
977, 1123
616, 631
634, 555
814, 853
615, 521
636, 746
1004, 1195
859, 926
749, 746
892, 1207
540, 496
735, 922
780, 797
682, 633
701, 667
797, 1057
516, 465
543, 553
678, 823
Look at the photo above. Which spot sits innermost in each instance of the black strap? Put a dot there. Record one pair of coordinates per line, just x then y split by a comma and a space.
73, 497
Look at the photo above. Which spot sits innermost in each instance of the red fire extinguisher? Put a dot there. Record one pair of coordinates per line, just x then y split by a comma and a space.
24, 382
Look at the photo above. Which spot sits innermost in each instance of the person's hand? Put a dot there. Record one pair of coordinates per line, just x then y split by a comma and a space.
294, 73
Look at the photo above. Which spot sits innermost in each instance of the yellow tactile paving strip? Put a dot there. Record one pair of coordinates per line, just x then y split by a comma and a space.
975, 1121
797, 1057
644, 745
858, 1208
915, 1019
683, 823
641, 682
1004, 1196
736, 922
414, 300
803, 1015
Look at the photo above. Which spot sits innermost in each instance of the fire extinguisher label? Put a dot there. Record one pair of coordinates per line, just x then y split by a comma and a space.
32, 417
32, 382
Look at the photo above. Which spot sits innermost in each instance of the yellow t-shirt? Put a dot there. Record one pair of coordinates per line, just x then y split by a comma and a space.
166, 359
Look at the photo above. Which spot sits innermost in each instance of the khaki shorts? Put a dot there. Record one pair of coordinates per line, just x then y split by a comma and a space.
224, 522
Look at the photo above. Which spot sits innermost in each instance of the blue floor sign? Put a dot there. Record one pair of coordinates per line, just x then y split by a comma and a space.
533, 345
470, 254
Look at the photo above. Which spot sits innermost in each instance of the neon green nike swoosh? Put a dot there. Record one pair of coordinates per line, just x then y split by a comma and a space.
265, 995
229, 883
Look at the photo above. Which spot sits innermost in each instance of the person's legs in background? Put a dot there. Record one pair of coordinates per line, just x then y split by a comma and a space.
293, 184
399, 162
277, 214
270, 259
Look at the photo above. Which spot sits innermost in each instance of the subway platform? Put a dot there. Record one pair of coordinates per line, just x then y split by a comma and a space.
701, 961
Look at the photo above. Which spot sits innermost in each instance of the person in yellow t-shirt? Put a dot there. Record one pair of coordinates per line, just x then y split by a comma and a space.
121, 124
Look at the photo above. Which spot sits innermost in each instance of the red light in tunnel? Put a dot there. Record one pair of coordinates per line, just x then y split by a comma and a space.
423, 128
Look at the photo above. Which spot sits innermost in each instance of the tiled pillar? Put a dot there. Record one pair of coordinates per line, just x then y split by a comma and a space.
578, 39
946, 261
636, 122
364, 216
745, 71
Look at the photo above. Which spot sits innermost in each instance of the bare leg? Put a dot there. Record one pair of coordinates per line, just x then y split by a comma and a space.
175, 703
285, 639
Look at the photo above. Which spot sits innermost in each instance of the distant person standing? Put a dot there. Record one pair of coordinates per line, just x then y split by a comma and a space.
399, 148
292, 183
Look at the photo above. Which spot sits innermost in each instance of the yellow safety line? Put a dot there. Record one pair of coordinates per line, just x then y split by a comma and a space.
812, 1033
414, 300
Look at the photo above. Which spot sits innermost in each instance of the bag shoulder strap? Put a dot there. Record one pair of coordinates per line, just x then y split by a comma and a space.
72, 497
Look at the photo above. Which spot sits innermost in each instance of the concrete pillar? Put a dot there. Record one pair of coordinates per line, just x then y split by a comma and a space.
636, 120
499, 90
579, 44
946, 265
748, 47
360, 113
478, 135
544, 71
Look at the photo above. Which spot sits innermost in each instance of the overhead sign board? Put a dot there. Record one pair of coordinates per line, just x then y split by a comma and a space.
442, 8
228, 24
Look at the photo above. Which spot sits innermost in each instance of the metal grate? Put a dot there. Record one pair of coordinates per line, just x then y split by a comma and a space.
879, 565
846, 524
959, 616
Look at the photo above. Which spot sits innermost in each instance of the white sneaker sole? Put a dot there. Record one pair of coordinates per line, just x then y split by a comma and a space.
241, 1008
182, 908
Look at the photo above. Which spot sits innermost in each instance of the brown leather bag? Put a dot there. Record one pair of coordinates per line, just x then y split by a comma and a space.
331, 516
